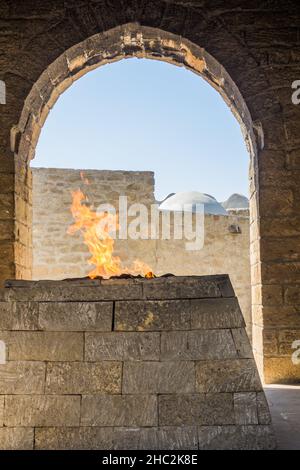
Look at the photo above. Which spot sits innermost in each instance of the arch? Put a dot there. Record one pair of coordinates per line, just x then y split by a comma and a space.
129, 40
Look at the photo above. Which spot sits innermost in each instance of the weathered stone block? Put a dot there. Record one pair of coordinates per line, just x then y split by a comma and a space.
74, 438
152, 315
43, 291
119, 410
122, 346
43, 346
196, 409
236, 438
16, 438
41, 410
242, 343
171, 438
183, 287
236, 375
75, 316
197, 345
22, 378
25, 316
82, 377
158, 377
245, 408
216, 313
6, 317
264, 416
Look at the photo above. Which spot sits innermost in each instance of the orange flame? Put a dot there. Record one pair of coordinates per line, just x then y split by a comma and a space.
96, 229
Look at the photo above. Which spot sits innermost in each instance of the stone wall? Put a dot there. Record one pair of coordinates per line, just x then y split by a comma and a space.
128, 364
57, 255
249, 55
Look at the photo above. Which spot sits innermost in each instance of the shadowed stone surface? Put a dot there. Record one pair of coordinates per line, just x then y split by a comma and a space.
176, 438
122, 346
19, 316
79, 377
22, 377
200, 409
153, 315
242, 343
119, 410
215, 313
42, 410
236, 375
189, 384
183, 287
158, 377
16, 438
197, 345
75, 316
43, 346
236, 438
245, 408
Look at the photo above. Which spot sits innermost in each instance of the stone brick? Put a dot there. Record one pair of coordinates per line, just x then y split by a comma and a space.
16, 438
236, 375
170, 437
242, 343
77, 378
78, 438
25, 316
6, 318
43, 346
236, 438
152, 315
22, 378
122, 346
182, 287
119, 410
105, 438
200, 409
41, 410
197, 345
245, 408
264, 416
119, 289
216, 313
75, 316
158, 377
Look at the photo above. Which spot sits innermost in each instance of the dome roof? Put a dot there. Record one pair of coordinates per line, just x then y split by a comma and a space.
236, 201
188, 202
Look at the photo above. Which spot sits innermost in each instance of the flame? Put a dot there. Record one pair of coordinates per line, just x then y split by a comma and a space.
96, 230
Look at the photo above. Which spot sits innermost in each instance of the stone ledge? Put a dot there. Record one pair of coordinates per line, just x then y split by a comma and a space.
170, 287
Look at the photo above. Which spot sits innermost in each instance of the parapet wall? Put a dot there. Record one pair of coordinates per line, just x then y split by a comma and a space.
57, 255
128, 364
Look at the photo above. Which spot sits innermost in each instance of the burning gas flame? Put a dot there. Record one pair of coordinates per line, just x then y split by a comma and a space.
96, 230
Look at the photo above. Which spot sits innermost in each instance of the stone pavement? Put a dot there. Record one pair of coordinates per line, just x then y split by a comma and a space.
284, 403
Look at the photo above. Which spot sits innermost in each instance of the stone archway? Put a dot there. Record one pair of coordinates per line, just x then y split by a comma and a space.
130, 40
272, 133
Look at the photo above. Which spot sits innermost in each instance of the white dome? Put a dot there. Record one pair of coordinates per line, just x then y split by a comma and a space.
188, 201
236, 201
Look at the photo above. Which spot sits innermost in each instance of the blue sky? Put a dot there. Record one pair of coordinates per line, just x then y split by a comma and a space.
148, 115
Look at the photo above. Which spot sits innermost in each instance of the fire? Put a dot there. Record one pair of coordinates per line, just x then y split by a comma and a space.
96, 229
